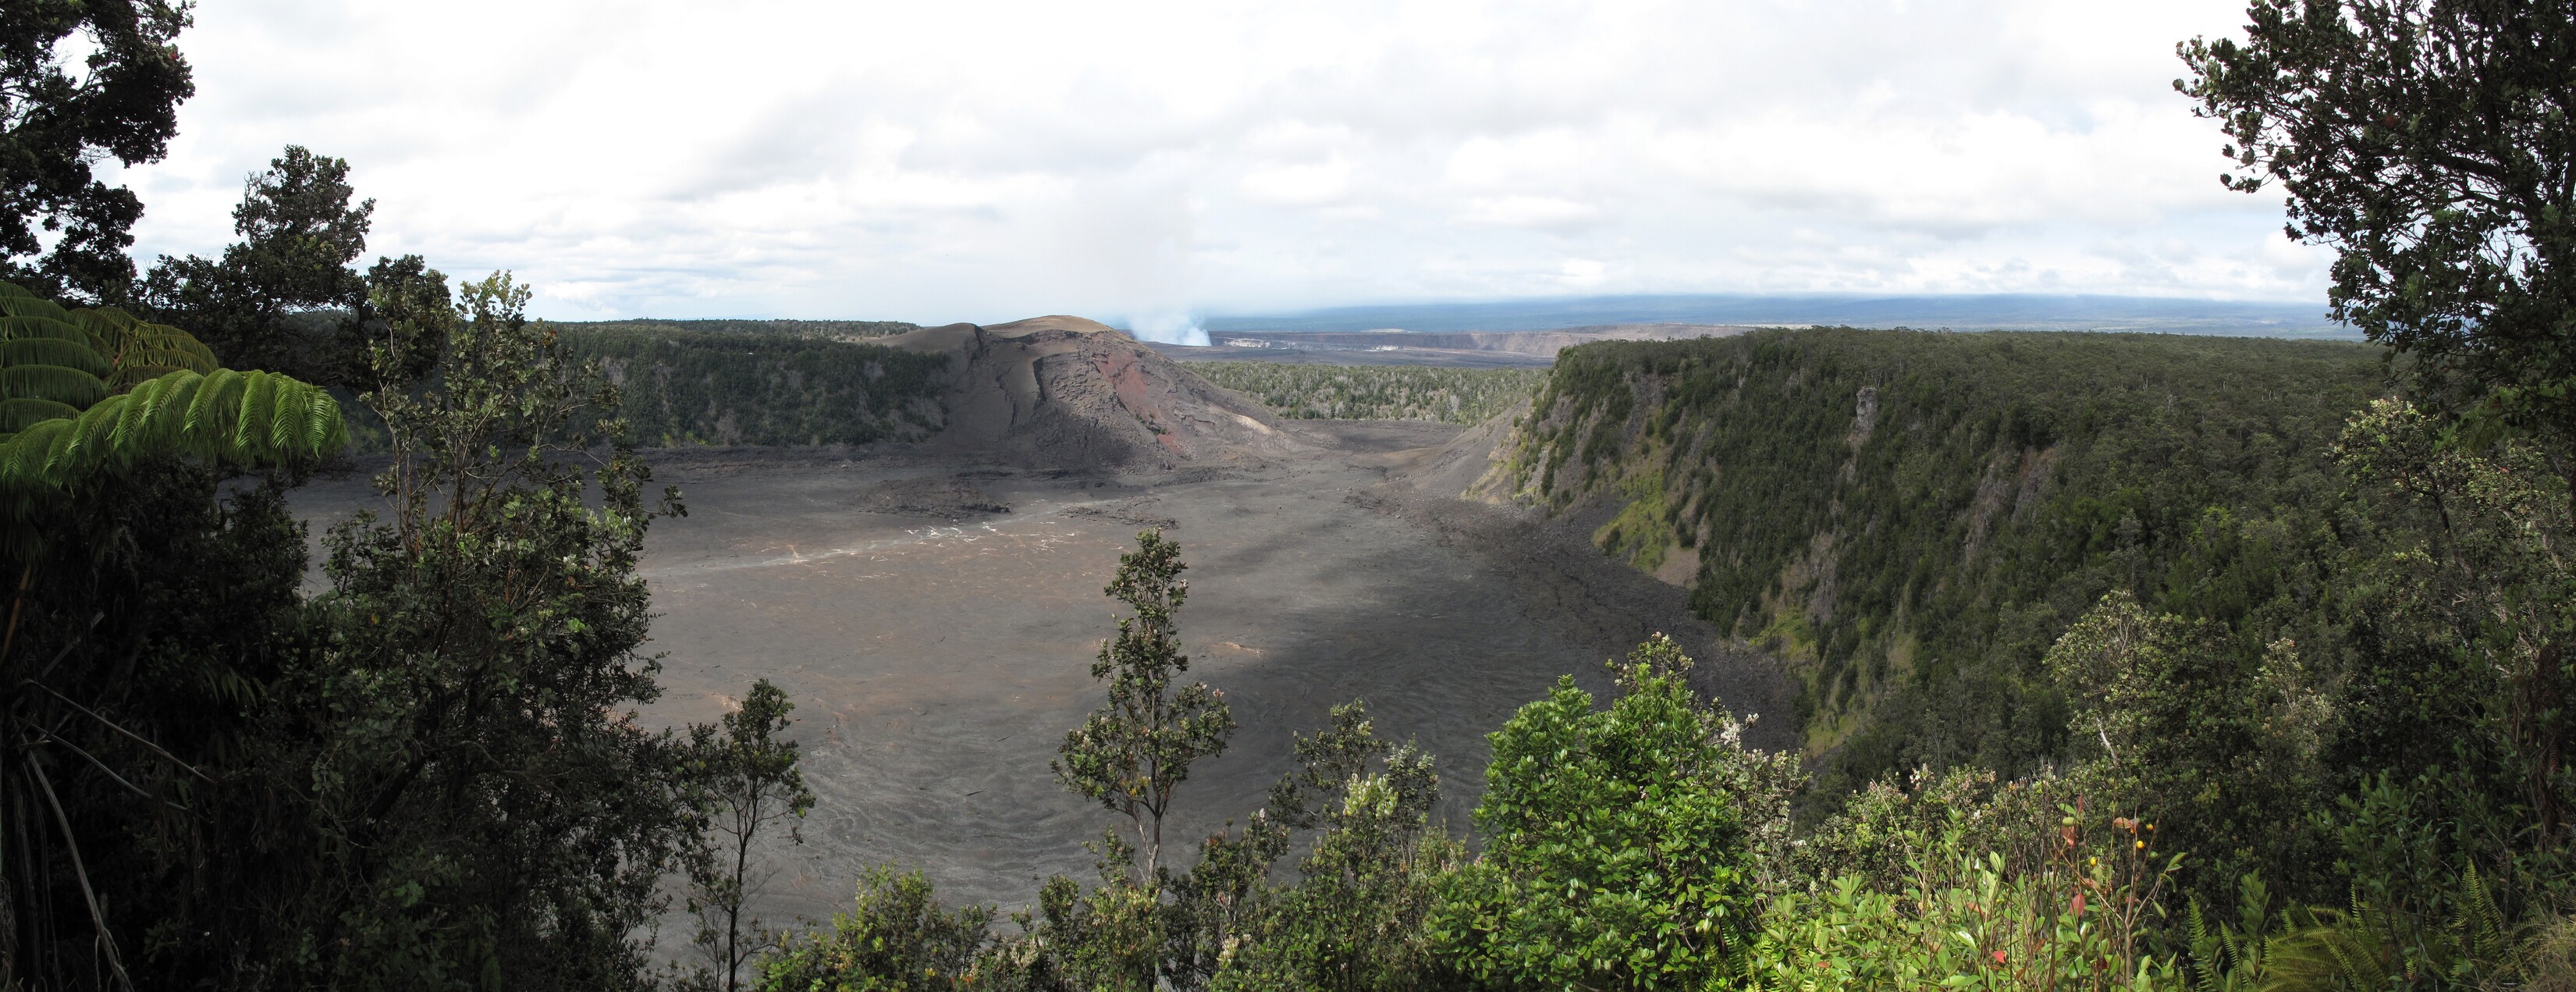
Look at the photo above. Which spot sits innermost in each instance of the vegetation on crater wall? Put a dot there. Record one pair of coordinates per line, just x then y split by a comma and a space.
821, 330
1376, 392
1914, 517
701, 387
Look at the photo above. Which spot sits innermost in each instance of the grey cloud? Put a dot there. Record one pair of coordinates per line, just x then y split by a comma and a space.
926, 164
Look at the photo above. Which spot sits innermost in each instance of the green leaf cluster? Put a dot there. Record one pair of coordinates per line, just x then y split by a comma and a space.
2430, 143
1132, 754
89, 393
1615, 853
742, 774
1355, 917
81, 83
897, 938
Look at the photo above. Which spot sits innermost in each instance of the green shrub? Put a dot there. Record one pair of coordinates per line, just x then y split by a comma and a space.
1353, 919
1616, 855
897, 939
2071, 908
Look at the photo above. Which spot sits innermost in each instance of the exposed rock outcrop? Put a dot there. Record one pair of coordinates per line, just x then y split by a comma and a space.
1065, 392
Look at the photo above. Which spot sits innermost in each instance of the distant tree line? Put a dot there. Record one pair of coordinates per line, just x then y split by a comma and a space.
834, 330
691, 387
1376, 392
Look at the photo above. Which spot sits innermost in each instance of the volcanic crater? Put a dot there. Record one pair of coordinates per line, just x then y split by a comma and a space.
934, 608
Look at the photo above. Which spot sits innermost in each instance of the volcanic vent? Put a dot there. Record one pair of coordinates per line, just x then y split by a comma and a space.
1065, 392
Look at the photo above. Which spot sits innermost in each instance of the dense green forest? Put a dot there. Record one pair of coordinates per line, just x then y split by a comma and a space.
1376, 392
830, 330
754, 386
689, 387
2234, 584
1914, 517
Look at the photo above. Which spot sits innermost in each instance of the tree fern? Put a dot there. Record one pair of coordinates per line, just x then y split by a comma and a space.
19, 413
40, 340
53, 351
139, 350
68, 386
91, 392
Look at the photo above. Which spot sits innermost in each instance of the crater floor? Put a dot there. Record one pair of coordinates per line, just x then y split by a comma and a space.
937, 650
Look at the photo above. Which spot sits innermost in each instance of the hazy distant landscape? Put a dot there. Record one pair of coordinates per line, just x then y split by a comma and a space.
1966, 312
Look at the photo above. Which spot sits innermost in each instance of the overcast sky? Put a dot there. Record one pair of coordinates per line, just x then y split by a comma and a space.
948, 161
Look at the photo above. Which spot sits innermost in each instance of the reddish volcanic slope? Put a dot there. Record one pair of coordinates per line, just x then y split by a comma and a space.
1065, 392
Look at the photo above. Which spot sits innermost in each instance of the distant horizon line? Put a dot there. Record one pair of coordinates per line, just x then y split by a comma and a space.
2315, 307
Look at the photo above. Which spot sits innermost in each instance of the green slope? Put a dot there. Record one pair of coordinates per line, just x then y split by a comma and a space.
1911, 517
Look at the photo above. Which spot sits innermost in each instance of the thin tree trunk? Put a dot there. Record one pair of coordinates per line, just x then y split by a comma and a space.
26, 577
733, 910
71, 845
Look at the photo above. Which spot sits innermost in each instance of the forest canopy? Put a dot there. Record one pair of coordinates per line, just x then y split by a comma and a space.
1376, 392
697, 387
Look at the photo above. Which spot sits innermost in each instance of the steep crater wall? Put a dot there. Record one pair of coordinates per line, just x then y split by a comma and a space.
1056, 392
1910, 518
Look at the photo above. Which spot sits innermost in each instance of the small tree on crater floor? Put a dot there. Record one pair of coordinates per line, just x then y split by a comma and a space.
746, 778
1136, 749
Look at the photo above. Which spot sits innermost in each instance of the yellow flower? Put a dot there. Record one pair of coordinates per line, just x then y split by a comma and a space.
2142, 845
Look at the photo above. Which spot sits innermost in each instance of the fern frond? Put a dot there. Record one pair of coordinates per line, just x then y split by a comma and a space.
135, 375
171, 346
13, 327
33, 306
244, 418
196, 360
23, 478
168, 416
324, 428
110, 323
108, 329
212, 410
258, 405
93, 440
131, 343
19, 414
60, 423
51, 382
53, 351
2206, 951
142, 423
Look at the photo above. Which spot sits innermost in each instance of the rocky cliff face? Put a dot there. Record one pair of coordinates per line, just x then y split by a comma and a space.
1065, 392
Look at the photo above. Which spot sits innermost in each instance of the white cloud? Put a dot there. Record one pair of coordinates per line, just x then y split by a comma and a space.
986, 161
1542, 213
1299, 185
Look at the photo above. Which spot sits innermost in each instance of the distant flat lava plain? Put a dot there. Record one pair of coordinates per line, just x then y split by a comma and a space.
937, 650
